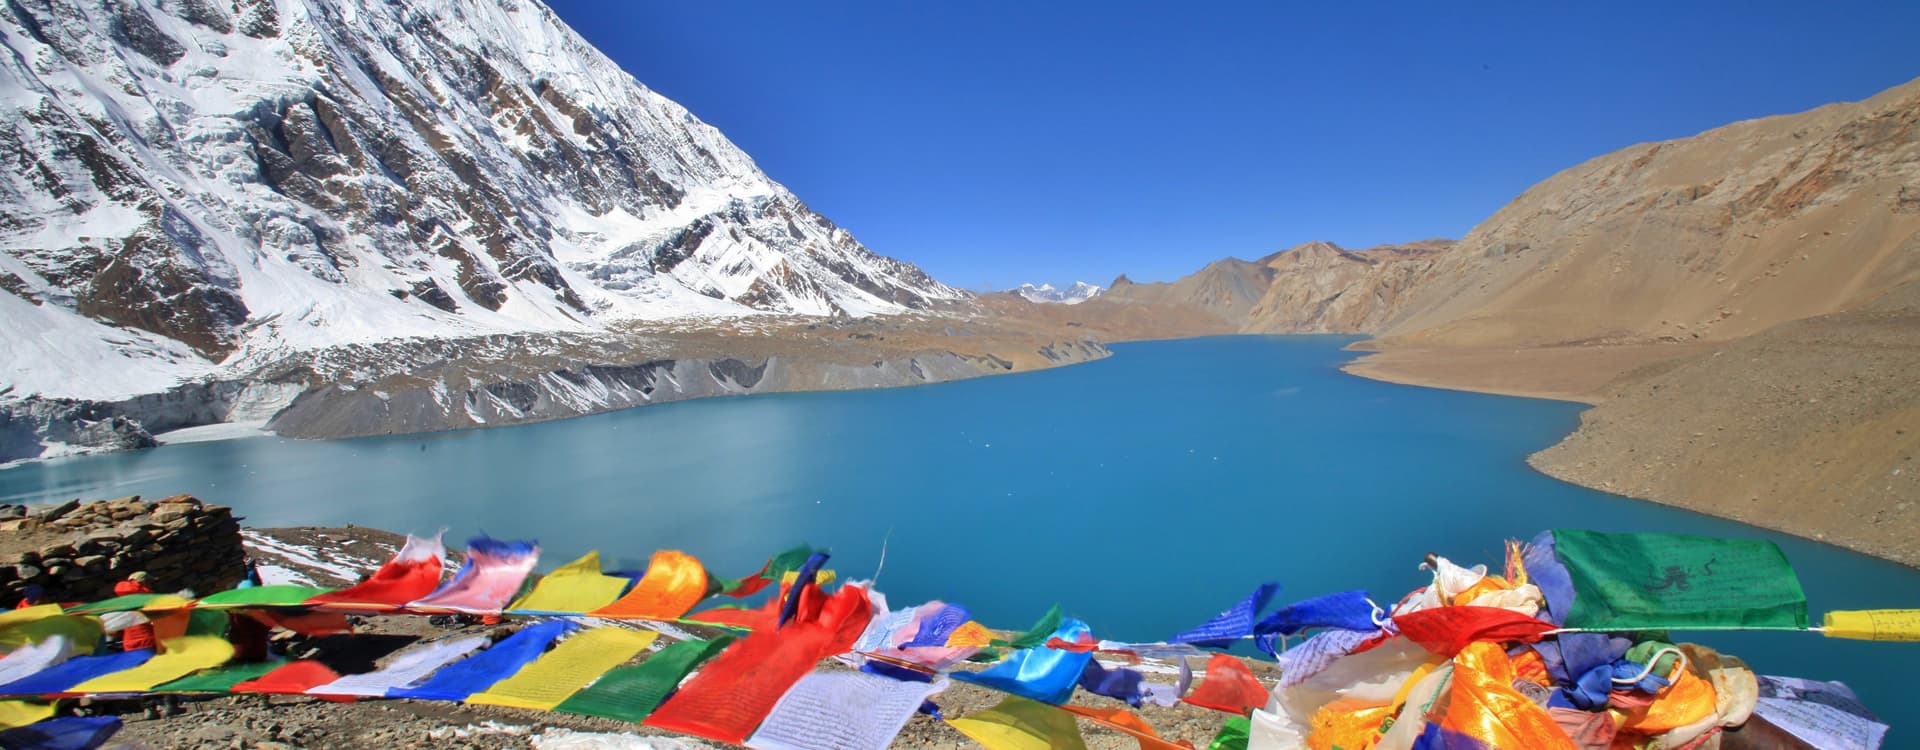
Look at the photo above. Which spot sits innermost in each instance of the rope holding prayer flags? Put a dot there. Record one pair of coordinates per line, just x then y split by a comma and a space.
1233, 624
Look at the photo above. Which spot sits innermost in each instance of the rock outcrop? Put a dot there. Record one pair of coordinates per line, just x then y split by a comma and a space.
77, 551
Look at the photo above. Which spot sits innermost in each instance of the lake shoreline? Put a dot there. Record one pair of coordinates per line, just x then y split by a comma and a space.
1597, 454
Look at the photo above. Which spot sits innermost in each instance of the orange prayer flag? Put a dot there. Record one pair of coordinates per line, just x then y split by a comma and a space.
1484, 706
674, 582
1130, 724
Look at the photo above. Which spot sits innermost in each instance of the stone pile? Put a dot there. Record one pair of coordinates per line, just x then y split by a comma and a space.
78, 551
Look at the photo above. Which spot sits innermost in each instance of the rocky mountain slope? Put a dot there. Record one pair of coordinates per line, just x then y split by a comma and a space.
212, 195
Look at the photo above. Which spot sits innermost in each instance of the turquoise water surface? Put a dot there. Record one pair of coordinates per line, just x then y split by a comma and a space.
1144, 492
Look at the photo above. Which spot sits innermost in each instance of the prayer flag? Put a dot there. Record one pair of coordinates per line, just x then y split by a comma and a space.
413, 572
1228, 686
1020, 724
631, 693
1231, 625
568, 667
1873, 625
1674, 581
841, 710
578, 586
1044, 674
674, 582
490, 576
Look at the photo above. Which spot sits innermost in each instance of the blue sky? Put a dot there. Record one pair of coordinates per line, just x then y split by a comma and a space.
999, 142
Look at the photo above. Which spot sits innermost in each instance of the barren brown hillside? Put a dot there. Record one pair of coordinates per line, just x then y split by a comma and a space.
1811, 427
1715, 236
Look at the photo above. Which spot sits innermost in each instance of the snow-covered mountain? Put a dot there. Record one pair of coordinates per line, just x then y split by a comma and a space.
1080, 292
202, 188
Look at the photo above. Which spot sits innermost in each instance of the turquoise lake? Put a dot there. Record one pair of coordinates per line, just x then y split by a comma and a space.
1144, 492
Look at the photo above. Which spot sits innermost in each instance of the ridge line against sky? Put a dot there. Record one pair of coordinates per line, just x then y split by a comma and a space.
997, 143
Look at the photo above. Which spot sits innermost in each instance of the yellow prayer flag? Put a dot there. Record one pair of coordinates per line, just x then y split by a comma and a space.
578, 586
566, 669
21, 713
21, 616
179, 657
1021, 724
970, 635
1874, 625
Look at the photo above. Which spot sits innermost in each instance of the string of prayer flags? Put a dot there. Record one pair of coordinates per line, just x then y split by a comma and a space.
578, 586
60, 677
1017, 723
1228, 686
489, 577
413, 572
278, 595
674, 582
841, 710
1233, 624
553, 678
1047, 675
1675, 581
178, 658
476, 673
631, 693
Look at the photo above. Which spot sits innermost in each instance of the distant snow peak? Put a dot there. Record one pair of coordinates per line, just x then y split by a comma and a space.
1080, 292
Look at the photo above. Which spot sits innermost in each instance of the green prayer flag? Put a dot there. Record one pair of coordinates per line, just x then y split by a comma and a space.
631, 693
126, 603
1037, 635
262, 596
1675, 581
219, 680
1233, 734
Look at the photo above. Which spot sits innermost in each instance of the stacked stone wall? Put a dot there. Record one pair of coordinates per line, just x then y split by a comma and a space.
77, 551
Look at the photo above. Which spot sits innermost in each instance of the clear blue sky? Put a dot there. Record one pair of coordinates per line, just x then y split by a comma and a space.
999, 142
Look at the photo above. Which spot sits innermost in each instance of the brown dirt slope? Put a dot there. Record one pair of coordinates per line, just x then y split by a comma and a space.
1811, 427
1714, 237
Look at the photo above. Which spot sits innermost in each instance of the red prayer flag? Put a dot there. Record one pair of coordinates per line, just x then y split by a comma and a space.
1229, 686
296, 678
733, 693
1447, 630
413, 573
